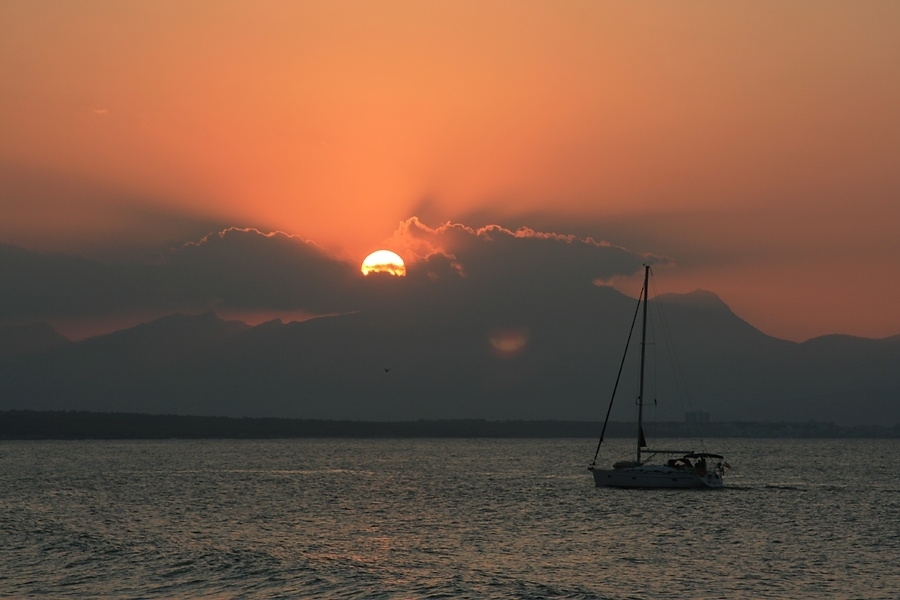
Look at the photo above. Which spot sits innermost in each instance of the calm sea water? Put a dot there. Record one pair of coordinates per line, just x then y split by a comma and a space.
441, 519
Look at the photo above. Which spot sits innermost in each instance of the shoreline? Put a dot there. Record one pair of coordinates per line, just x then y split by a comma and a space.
76, 425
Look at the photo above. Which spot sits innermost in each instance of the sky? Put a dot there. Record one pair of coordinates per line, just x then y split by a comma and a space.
749, 149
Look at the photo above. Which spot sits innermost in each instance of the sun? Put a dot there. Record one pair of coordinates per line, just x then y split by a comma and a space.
383, 261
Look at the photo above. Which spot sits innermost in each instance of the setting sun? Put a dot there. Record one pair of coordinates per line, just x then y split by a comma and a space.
383, 261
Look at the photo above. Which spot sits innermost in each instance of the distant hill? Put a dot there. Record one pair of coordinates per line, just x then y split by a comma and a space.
81, 425
550, 360
33, 337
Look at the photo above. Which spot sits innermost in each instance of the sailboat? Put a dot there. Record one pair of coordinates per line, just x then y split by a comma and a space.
683, 468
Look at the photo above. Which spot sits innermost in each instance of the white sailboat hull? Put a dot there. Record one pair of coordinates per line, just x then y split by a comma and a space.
655, 477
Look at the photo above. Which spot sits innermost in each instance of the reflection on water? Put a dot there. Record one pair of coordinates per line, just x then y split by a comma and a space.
451, 518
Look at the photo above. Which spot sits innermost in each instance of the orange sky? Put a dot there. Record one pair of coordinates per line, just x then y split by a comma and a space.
755, 144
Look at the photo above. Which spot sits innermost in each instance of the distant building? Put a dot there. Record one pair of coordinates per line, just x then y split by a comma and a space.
696, 417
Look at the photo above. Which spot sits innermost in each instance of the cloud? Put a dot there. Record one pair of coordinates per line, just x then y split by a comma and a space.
494, 255
36, 285
235, 268
244, 269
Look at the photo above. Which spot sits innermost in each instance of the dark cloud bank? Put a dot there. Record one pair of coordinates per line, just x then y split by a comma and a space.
489, 323
247, 269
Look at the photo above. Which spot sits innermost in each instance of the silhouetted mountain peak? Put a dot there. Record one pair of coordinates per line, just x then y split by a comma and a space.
831, 338
180, 325
165, 340
843, 337
544, 360
701, 299
272, 325
32, 337
702, 317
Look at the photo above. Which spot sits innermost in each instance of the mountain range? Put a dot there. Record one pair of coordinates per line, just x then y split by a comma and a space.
555, 357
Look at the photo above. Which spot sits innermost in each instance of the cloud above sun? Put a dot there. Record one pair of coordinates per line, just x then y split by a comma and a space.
249, 269
495, 253
244, 269
236, 268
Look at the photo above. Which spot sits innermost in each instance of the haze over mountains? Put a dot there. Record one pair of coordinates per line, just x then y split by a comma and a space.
553, 357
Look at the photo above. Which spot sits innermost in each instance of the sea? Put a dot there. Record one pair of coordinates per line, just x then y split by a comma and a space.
441, 518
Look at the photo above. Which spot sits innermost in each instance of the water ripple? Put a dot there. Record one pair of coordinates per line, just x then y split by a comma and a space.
436, 519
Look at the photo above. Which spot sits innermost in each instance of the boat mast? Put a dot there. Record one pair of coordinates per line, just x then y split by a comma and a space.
640, 431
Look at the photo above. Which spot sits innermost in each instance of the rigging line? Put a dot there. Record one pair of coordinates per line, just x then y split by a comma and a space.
681, 388
677, 371
654, 360
619, 375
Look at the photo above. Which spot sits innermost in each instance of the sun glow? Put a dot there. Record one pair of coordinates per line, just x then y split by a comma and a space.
507, 343
383, 261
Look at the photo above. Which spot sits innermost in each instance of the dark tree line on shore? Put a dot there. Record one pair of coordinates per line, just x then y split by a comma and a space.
75, 425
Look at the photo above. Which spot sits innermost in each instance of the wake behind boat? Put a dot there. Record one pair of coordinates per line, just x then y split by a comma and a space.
688, 469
